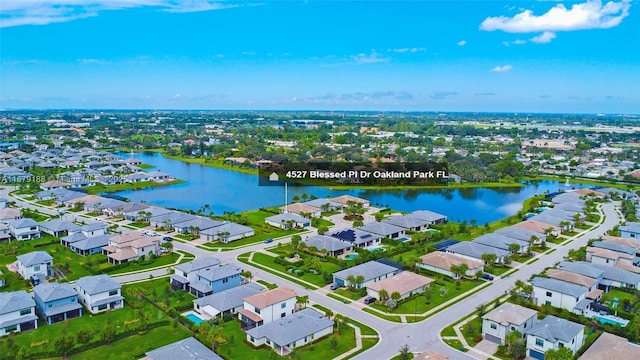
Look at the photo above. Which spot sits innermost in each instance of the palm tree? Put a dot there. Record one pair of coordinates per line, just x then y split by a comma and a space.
337, 320
352, 281
359, 280
396, 296
514, 248
383, 294
302, 300
247, 275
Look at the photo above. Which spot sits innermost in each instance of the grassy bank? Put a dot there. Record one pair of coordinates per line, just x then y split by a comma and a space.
96, 189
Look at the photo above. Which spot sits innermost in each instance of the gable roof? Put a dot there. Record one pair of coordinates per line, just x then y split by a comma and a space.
475, 250
197, 264
559, 286
326, 242
199, 222
92, 242
355, 236
582, 268
444, 260
270, 297
284, 217
188, 348
499, 241
292, 327
403, 283
406, 221
428, 215
537, 226
553, 329
572, 278
615, 247
59, 225
370, 270
97, 284
228, 227
219, 272
34, 258
381, 228
231, 298
54, 291
520, 233
14, 301
509, 313
609, 346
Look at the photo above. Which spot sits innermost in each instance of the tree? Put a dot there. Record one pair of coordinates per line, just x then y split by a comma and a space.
396, 296
64, 345
85, 335
295, 241
459, 270
404, 353
303, 300
481, 310
334, 343
357, 223
337, 320
489, 258
352, 281
378, 216
108, 334
514, 248
565, 226
383, 294
563, 353
247, 275
515, 344
322, 229
359, 280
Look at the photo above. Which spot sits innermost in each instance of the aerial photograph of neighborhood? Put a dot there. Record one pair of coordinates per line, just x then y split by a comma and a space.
331, 179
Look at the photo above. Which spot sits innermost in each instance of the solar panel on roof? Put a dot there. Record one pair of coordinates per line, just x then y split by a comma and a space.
365, 236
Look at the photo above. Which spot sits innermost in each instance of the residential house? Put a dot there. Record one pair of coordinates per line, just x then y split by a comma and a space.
187, 273
123, 209
36, 263
188, 348
607, 276
267, 306
227, 301
371, 272
94, 229
57, 302
558, 293
195, 226
292, 331
130, 246
215, 279
522, 234
539, 227
630, 230
408, 222
333, 246
384, 229
5, 234
302, 209
442, 262
99, 293
358, 238
431, 217
168, 220
506, 318
609, 346
325, 204
502, 242
405, 283
227, 232
24, 229
635, 243
590, 283
550, 220
148, 213
553, 333
91, 245
344, 199
607, 257
474, 251
58, 227
17, 312
288, 221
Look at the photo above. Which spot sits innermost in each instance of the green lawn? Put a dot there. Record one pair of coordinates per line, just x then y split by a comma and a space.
607, 298
448, 331
243, 258
399, 356
386, 317
335, 297
139, 224
322, 349
236, 348
163, 260
269, 285
322, 222
96, 189
472, 330
456, 344
145, 166
317, 280
496, 270
353, 295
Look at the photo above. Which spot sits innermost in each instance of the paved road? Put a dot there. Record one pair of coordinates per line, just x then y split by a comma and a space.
419, 336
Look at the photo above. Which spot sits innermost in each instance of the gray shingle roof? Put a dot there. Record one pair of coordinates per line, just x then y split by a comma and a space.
14, 301
198, 264
406, 221
631, 227
614, 247
356, 236
326, 242
54, 291
219, 272
582, 268
188, 348
293, 327
97, 284
75, 237
553, 329
22, 223
549, 219
519, 233
428, 215
381, 228
34, 258
559, 286
475, 250
287, 217
369, 270
499, 241
59, 225
229, 299
94, 226
93, 242
199, 222
232, 228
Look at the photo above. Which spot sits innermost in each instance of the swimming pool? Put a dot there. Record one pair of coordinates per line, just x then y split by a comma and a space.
604, 320
351, 256
403, 239
378, 248
194, 318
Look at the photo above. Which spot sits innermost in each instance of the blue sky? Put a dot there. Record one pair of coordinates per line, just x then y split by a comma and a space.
512, 56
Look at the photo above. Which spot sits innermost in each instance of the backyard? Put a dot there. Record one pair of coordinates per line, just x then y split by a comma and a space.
316, 279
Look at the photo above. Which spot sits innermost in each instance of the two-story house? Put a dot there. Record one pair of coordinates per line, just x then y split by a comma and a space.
35, 264
17, 312
5, 235
553, 333
187, 273
557, 293
506, 318
130, 246
24, 229
57, 302
216, 279
267, 306
99, 293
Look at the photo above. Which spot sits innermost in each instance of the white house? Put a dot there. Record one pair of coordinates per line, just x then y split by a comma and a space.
187, 273
99, 293
504, 319
630, 230
288, 221
24, 229
35, 263
558, 293
17, 312
292, 331
267, 306
441, 262
371, 272
553, 333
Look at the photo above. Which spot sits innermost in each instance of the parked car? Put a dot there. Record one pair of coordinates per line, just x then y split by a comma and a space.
369, 300
487, 276
167, 238
269, 240
150, 233
335, 286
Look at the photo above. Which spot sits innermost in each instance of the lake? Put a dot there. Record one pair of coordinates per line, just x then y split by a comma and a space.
227, 190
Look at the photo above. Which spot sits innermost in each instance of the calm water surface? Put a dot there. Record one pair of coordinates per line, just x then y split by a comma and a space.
226, 190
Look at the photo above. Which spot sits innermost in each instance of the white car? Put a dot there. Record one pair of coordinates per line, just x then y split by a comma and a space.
150, 233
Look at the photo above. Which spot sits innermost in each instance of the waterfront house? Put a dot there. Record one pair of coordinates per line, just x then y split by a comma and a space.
521, 233
302, 209
292, 331
550, 220
553, 333
57, 302
442, 262
325, 204
227, 301
384, 229
345, 199
504, 319
195, 226
36, 263
405, 283
539, 226
372, 271
148, 213
431, 217
227, 232
333, 246
408, 222
17, 312
357, 238
168, 220
99, 293
288, 221
267, 306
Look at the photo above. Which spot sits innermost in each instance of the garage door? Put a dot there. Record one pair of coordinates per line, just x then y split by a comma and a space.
493, 338
536, 354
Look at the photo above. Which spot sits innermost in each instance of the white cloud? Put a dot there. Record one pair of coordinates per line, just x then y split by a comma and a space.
407, 50
43, 12
503, 68
462, 42
514, 42
592, 14
544, 38
372, 58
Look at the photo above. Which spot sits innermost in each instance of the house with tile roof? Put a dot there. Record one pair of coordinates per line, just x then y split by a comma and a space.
267, 306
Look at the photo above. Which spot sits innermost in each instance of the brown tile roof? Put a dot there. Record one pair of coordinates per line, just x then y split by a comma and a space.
626, 266
403, 283
299, 208
589, 191
571, 277
345, 198
535, 225
127, 237
444, 260
621, 240
609, 346
125, 254
270, 297
250, 315
607, 254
